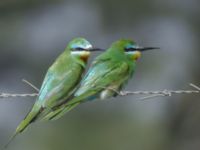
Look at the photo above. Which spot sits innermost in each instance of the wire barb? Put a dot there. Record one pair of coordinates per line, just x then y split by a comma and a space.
7, 95
152, 94
31, 85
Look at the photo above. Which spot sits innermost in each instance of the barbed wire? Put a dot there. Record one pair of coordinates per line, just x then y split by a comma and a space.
151, 94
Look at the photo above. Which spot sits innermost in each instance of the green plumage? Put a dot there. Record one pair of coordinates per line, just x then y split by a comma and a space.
61, 79
109, 73
59, 83
61, 91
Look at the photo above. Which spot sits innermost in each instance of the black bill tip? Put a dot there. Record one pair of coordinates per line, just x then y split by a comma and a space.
141, 49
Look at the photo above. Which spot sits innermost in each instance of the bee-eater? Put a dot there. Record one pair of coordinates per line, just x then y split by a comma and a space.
109, 72
60, 81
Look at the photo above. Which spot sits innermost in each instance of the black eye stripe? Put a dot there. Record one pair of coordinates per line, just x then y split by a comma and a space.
130, 49
79, 49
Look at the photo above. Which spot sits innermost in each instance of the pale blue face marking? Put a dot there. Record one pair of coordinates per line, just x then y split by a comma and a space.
129, 46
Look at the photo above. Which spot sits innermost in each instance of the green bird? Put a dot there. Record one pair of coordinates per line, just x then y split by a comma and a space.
108, 74
60, 81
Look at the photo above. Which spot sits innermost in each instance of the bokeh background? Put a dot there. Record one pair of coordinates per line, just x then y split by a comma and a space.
34, 32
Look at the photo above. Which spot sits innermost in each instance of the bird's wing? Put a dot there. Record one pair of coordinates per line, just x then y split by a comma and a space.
100, 77
59, 85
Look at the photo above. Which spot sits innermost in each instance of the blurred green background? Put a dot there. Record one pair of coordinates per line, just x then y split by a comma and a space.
34, 32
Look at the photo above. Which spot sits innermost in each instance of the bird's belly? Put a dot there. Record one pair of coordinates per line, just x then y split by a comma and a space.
105, 94
108, 93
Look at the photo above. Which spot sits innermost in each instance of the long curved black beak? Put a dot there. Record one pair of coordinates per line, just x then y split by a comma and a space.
141, 49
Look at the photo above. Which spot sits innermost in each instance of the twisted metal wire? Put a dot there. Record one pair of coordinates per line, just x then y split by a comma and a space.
121, 93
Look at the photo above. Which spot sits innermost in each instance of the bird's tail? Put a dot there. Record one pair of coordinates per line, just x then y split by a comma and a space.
69, 106
23, 125
63, 112
63, 109
57, 114
10, 140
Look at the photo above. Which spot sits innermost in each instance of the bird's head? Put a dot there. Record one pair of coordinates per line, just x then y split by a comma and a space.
79, 44
81, 47
131, 48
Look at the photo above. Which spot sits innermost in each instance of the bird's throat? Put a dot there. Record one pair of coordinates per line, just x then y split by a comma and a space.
83, 55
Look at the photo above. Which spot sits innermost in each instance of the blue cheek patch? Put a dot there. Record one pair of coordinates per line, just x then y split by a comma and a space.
131, 46
74, 46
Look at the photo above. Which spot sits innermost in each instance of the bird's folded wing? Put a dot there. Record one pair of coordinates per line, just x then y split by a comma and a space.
99, 78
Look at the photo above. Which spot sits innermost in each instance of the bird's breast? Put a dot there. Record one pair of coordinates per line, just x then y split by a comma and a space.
84, 56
